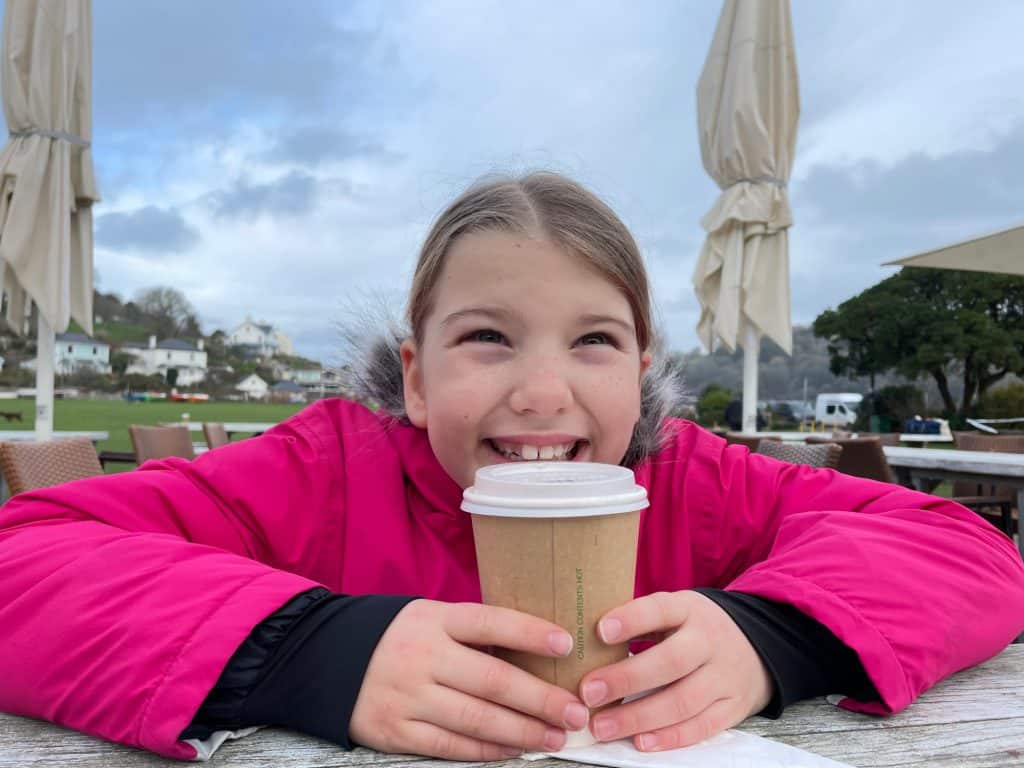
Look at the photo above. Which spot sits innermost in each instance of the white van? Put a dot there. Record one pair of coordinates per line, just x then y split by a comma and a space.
837, 409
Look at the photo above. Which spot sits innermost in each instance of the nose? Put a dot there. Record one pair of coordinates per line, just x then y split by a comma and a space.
541, 390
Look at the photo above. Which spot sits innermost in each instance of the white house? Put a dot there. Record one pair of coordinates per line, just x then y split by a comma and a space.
76, 352
287, 392
253, 387
261, 339
157, 358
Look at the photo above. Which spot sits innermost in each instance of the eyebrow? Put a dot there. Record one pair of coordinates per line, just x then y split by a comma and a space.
498, 313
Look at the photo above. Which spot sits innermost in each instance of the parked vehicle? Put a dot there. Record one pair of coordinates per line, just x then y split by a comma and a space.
837, 409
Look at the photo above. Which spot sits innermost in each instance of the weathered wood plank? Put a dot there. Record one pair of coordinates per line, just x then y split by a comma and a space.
973, 720
957, 745
994, 689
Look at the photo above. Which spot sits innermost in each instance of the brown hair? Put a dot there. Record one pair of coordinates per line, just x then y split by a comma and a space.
549, 204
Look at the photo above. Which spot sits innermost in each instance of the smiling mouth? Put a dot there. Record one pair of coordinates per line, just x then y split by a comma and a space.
515, 452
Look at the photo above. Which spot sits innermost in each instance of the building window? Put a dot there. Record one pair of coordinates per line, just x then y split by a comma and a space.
168, 355
95, 351
70, 349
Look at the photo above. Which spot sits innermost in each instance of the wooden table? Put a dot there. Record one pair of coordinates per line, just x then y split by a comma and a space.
923, 440
29, 435
925, 469
974, 719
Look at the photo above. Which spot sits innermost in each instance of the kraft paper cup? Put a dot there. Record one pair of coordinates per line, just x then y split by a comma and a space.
558, 540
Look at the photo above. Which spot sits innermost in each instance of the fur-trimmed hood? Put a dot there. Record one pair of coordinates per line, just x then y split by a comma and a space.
373, 373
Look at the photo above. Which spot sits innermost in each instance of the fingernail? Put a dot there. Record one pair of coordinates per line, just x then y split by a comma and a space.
554, 739
648, 741
603, 728
594, 692
609, 629
560, 643
511, 752
576, 716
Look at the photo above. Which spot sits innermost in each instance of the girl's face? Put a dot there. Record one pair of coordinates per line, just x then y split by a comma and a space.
528, 353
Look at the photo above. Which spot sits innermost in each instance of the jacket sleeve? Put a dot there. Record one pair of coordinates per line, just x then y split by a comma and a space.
123, 597
918, 586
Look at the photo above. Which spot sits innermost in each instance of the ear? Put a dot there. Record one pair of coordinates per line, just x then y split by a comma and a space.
412, 384
645, 363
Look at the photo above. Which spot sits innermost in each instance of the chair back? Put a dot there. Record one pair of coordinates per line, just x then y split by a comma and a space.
39, 465
215, 434
751, 441
861, 457
975, 441
161, 442
887, 438
821, 455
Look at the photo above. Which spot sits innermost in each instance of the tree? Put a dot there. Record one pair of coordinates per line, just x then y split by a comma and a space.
119, 362
712, 403
166, 312
933, 322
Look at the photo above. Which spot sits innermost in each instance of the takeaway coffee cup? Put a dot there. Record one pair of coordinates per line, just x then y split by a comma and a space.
558, 540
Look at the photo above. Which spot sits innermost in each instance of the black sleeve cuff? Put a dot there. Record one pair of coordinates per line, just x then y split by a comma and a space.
301, 668
802, 656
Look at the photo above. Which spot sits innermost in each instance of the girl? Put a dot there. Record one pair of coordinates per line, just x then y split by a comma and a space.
179, 605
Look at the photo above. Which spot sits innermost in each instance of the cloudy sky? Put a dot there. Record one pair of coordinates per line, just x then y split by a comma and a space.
279, 160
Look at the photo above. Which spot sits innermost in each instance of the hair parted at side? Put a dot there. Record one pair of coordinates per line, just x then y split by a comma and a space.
547, 204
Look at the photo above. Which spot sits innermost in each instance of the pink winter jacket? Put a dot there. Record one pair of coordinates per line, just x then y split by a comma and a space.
123, 597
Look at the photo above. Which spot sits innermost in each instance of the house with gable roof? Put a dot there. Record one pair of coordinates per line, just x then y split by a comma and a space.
260, 339
156, 358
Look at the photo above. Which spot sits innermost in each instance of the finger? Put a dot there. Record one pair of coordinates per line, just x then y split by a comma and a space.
488, 722
433, 741
668, 661
722, 714
677, 703
493, 679
656, 612
483, 625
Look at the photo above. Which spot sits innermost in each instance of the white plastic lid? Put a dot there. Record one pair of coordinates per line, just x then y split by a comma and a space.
553, 489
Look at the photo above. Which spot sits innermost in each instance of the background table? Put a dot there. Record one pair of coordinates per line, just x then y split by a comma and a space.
924, 469
976, 718
29, 435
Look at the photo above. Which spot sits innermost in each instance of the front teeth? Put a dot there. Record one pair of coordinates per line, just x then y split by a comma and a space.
533, 452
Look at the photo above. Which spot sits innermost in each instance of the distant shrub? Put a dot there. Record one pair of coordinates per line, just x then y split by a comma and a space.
893, 405
1003, 403
712, 403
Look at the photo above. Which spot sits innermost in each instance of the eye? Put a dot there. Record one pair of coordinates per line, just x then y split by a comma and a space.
484, 336
591, 339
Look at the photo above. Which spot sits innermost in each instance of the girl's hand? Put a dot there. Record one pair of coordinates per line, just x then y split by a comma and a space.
428, 692
712, 675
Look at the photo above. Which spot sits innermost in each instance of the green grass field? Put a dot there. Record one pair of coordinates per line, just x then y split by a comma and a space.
114, 416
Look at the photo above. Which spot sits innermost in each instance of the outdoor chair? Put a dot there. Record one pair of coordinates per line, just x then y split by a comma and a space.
39, 465
861, 457
887, 438
161, 442
215, 434
992, 502
751, 441
822, 455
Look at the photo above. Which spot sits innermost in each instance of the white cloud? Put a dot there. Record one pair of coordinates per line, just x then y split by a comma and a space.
422, 97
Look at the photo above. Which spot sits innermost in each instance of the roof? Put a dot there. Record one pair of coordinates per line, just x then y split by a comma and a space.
81, 338
287, 386
176, 344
